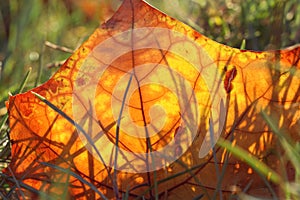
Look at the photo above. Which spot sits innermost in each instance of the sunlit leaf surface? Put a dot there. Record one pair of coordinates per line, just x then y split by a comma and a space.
52, 156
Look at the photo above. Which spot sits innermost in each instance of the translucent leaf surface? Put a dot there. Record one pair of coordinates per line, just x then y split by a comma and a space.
146, 87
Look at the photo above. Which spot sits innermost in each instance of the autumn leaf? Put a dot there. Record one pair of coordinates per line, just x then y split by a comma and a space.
136, 109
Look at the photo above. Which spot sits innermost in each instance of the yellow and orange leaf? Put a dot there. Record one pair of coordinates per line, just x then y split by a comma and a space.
120, 88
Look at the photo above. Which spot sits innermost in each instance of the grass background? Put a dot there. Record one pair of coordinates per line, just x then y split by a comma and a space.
25, 26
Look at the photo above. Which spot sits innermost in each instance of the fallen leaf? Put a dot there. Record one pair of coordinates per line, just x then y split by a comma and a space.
145, 88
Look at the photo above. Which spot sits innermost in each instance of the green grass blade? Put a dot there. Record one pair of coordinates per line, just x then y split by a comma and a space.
3, 121
252, 161
24, 82
17, 183
20, 90
286, 142
243, 45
